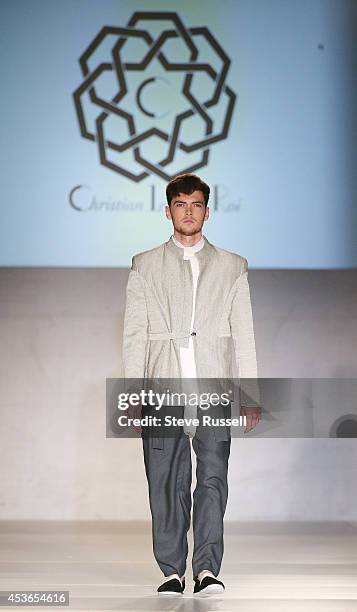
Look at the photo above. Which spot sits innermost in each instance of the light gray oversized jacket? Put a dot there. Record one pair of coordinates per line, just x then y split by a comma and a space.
158, 314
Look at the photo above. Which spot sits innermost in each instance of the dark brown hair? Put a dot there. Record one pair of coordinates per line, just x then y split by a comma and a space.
186, 183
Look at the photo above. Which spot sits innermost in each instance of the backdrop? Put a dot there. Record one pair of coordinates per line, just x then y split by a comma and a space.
103, 101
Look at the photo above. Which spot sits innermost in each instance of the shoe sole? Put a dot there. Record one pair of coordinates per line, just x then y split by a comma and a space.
169, 594
211, 589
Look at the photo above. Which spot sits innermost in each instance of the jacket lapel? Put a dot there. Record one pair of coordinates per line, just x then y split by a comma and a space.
179, 285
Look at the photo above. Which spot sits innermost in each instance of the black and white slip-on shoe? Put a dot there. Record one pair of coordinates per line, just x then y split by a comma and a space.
208, 586
172, 587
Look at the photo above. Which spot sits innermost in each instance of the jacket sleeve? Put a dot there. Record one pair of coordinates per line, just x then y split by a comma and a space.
241, 322
135, 333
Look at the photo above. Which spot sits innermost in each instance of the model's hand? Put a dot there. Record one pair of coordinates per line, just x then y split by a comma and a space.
253, 416
134, 412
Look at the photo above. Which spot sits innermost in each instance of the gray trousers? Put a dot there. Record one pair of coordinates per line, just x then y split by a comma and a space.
169, 473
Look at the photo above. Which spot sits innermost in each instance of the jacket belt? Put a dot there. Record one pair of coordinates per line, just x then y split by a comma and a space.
168, 335
178, 335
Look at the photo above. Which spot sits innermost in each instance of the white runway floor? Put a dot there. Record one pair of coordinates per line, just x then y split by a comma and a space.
110, 566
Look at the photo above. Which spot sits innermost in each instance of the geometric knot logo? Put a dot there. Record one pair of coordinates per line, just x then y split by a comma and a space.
154, 96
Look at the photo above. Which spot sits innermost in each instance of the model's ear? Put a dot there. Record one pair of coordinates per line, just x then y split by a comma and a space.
168, 212
207, 213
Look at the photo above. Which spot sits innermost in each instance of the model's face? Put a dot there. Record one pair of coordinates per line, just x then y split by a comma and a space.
188, 213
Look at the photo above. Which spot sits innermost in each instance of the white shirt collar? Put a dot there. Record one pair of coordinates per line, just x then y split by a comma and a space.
189, 249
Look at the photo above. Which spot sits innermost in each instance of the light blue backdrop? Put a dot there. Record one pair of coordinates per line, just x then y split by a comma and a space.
283, 181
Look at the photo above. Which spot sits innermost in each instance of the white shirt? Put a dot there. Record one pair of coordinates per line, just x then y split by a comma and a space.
187, 355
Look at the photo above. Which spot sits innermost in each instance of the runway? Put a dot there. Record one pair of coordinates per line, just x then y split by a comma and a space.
110, 566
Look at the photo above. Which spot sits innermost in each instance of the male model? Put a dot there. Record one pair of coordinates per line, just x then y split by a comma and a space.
188, 312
